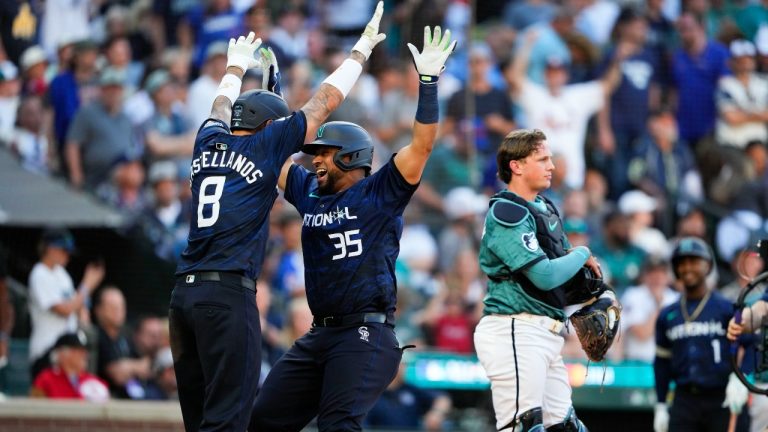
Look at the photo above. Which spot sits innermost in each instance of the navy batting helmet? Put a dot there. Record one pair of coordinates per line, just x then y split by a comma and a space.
350, 139
691, 247
254, 107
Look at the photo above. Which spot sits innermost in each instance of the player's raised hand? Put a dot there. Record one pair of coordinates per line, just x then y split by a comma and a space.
270, 71
371, 35
431, 61
241, 52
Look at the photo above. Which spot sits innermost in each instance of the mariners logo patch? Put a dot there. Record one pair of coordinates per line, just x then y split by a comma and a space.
530, 241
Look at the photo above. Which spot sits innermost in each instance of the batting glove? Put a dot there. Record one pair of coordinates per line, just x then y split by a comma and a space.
661, 418
241, 52
431, 61
736, 394
371, 35
270, 77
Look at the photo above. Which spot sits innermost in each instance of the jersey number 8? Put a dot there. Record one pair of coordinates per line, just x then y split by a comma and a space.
212, 199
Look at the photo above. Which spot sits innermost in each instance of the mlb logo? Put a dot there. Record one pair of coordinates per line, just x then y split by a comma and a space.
190, 278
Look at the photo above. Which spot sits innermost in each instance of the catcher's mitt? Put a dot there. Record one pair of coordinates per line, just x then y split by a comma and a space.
596, 325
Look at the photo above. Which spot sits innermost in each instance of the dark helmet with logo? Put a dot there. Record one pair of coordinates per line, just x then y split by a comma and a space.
691, 247
255, 107
350, 139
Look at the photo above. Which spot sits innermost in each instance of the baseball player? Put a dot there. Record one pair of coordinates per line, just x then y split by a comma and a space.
352, 221
214, 323
752, 317
692, 351
528, 260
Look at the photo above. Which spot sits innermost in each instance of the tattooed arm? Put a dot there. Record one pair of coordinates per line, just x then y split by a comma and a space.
222, 106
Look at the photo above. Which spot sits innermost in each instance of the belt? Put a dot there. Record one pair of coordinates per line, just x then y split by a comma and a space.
353, 319
548, 323
214, 276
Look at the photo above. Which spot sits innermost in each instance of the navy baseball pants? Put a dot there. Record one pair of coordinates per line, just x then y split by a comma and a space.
703, 412
334, 373
216, 345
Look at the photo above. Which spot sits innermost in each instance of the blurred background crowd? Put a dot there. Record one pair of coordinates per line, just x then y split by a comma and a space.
107, 95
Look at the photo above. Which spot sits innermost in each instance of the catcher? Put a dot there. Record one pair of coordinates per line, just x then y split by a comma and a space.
533, 274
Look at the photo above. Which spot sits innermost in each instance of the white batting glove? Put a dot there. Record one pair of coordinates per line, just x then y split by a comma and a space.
241, 53
431, 61
270, 77
736, 394
371, 35
661, 418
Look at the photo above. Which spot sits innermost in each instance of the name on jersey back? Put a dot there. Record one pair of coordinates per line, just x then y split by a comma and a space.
226, 159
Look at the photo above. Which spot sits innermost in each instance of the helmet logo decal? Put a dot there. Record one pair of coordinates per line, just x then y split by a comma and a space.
320, 131
237, 111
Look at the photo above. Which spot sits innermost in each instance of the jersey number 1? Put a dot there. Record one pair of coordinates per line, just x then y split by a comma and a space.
212, 199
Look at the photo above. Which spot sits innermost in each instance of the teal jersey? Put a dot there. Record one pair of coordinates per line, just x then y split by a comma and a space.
507, 248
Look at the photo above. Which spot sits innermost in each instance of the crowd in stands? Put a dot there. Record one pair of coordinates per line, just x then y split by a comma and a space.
656, 111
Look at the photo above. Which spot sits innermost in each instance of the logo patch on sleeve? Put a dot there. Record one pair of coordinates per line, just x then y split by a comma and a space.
530, 241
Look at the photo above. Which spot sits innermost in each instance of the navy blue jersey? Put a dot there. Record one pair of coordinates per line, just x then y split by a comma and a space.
698, 350
234, 184
351, 240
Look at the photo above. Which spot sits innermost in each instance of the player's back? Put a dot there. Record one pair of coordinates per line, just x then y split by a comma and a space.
234, 184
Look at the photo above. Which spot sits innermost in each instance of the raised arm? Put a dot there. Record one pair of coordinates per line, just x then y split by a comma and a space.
411, 159
338, 84
240, 58
516, 73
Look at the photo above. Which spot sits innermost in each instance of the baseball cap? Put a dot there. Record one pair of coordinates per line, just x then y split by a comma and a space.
163, 170
480, 50
72, 340
112, 76
464, 201
216, 49
636, 201
557, 62
156, 80
59, 238
8, 71
575, 226
32, 56
742, 48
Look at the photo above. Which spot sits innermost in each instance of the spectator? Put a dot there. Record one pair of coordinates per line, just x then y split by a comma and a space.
125, 191
208, 23
291, 34
257, 19
696, 68
619, 256
118, 364
742, 99
166, 221
561, 111
34, 64
148, 337
118, 55
640, 210
29, 141
596, 18
463, 208
550, 42
577, 232
622, 120
73, 87
404, 406
100, 135
492, 116
397, 110
163, 385
7, 311
203, 90
55, 307
521, 15
10, 89
641, 306
745, 266
289, 275
68, 377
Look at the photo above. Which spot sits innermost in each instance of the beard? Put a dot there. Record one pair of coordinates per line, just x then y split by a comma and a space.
328, 187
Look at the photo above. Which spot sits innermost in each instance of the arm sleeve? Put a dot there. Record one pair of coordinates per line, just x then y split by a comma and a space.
549, 274
662, 365
285, 137
297, 186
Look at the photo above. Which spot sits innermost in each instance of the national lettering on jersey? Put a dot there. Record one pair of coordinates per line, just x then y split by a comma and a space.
350, 240
234, 184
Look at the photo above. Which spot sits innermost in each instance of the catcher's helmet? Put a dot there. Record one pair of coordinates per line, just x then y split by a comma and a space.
350, 139
254, 107
691, 247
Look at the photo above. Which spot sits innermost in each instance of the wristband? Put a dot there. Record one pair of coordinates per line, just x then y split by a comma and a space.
345, 76
427, 111
229, 87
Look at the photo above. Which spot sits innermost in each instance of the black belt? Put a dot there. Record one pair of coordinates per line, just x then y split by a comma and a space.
236, 278
353, 319
693, 389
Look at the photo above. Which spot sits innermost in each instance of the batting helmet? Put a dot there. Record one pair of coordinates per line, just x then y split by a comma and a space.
691, 247
254, 107
350, 139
